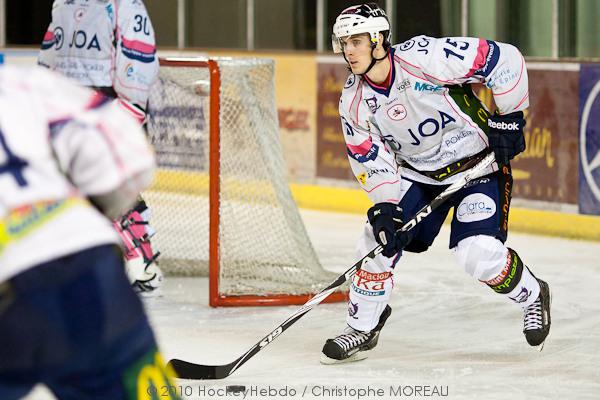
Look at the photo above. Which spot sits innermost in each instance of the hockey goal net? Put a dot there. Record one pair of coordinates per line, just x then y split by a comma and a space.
220, 203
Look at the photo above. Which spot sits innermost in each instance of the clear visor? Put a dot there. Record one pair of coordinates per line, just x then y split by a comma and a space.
336, 44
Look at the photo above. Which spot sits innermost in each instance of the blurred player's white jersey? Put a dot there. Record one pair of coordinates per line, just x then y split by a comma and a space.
58, 146
417, 120
103, 43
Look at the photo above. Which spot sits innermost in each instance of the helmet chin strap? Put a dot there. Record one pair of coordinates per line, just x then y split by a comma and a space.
374, 59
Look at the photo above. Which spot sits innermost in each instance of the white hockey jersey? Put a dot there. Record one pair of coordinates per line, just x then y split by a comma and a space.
424, 120
103, 43
59, 144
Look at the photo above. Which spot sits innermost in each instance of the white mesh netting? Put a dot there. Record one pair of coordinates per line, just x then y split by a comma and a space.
264, 248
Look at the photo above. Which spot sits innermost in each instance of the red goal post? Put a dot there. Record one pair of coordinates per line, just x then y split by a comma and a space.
220, 201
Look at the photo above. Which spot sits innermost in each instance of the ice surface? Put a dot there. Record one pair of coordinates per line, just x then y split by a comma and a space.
448, 334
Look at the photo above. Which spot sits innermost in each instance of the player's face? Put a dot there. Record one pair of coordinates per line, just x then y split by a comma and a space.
357, 49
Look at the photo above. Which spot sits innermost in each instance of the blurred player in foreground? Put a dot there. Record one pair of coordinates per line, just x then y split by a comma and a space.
412, 126
109, 45
68, 317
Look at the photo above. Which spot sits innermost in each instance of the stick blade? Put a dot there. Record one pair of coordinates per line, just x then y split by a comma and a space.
188, 370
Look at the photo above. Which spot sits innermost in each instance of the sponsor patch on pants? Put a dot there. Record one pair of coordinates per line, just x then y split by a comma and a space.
475, 207
370, 283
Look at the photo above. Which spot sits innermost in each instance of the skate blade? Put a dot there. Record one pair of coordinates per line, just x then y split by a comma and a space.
360, 355
540, 346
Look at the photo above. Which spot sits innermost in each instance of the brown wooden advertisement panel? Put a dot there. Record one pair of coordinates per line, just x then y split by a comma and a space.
332, 159
547, 169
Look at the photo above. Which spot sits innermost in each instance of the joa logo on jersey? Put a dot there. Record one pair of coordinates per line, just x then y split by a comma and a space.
81, 39
430, 127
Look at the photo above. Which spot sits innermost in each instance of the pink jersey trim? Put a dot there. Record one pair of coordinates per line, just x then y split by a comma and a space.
482, 51
131, 110
437, 79
522, 101
399, 61
362, 148
381, 184
139, 46
358, 89
97, 100
376, 85
410, 73
404, 61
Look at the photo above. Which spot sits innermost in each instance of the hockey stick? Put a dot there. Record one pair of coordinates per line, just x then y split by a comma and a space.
187, 370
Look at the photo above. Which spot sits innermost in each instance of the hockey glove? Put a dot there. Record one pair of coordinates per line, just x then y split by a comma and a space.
386, 219
506, 135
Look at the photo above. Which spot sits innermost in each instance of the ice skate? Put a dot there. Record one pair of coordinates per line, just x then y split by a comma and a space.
536, 317
353, 345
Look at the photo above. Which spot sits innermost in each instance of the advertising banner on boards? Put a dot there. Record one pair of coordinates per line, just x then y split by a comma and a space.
332, 158
547, 169
589, 139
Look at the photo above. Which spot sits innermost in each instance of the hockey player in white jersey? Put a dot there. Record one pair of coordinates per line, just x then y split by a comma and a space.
412, 126
68, 316
109, 45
